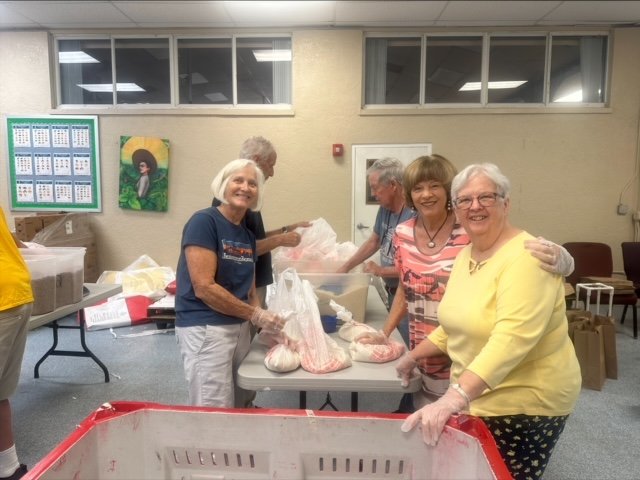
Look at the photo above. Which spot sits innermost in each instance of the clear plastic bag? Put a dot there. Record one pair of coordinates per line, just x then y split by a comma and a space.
319, 353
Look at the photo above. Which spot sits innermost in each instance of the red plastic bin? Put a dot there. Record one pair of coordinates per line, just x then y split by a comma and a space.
132, 440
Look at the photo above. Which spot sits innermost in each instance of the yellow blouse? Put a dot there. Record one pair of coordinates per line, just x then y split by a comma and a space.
504, 320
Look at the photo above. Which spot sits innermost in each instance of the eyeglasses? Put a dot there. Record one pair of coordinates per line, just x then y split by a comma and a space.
484, 199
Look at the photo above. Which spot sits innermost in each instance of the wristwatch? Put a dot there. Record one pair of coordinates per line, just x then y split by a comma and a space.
285, 229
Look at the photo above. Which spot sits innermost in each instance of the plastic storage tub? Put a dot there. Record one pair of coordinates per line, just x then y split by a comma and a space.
69, 271
307, 266
43, 282
131, 440
347, 289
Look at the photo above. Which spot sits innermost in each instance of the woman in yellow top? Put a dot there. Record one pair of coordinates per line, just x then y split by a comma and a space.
16, 299
503, 324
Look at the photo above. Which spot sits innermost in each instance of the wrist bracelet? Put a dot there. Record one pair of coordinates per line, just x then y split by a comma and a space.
463, 394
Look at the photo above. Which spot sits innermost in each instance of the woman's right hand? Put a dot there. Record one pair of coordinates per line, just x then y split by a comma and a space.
267, 320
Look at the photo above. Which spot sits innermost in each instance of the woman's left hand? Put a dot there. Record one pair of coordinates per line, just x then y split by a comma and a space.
434, 416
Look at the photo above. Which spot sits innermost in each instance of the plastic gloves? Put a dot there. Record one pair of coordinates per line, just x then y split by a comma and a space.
434, 416
373, 338
553, 258
405, 368
268, 321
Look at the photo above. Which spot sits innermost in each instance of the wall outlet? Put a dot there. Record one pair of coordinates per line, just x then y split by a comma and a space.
636, 216
623, 209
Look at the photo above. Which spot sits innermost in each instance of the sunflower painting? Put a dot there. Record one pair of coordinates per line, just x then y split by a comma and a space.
144, 173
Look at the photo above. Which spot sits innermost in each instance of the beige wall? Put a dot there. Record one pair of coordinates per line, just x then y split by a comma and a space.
568, 169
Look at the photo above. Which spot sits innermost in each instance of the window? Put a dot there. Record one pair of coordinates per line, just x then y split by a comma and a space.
485, 69
392, 68
205, 71
264, 70
516, 69
85, 72
578, 69
142, 70
454, 69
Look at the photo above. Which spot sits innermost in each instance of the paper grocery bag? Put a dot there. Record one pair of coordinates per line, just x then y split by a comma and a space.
577, 320
577, 324
609, 340
589, 347
577, 314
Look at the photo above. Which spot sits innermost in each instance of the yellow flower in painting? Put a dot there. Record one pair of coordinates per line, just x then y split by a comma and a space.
156, 146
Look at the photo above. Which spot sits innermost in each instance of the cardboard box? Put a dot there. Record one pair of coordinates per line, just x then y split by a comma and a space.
27, 227
71, 230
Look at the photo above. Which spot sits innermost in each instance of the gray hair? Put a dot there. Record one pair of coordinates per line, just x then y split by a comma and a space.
256, 147
221, 180
389, 168
489, 170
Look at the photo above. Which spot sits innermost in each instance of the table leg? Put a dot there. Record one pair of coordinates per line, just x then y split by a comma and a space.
303, 400
89, 352
36, 370
328, 403
354, 401
85, 352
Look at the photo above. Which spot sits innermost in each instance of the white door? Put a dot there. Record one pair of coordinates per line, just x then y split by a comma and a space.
365, 207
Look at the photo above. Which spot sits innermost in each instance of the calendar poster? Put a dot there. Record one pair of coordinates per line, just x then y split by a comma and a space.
54, 163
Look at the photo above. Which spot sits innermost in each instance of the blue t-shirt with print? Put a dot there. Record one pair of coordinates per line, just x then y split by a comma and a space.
235, 247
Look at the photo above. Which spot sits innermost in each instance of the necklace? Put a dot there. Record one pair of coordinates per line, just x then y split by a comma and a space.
431, 243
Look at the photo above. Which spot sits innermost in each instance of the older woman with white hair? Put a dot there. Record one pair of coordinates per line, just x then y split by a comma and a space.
216, 298
503, 324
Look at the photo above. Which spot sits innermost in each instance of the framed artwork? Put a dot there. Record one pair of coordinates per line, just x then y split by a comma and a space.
54, 163
370, 198
144, 173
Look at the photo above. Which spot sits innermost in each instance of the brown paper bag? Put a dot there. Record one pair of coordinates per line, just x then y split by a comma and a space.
577, 324
573, 314
577, 320
589, 346
609, 340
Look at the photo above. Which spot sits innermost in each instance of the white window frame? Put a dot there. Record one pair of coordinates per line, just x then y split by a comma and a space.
173, 73
484, 104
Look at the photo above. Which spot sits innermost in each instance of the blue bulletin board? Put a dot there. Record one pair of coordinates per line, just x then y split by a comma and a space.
54, 163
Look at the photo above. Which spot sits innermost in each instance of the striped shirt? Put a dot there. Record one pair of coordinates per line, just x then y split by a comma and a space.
424, 278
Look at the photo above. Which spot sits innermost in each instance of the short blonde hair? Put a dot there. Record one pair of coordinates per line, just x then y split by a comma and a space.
221, 180
428, 168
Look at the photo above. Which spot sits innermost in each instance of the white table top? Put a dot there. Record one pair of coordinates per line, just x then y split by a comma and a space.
97, 292
360, 377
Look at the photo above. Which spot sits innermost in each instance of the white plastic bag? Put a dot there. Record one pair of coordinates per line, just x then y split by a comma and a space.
318, 352
281, 358
362, 352
317, 245
350, 330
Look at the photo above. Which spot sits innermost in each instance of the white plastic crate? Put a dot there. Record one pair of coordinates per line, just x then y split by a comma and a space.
130, 440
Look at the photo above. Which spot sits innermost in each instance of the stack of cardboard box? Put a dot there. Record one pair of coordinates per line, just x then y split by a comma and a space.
62, 230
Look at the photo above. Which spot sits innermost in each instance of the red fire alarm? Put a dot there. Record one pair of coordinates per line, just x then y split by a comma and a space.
338, 149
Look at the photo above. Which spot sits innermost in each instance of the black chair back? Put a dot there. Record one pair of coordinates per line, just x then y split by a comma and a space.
631, 262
